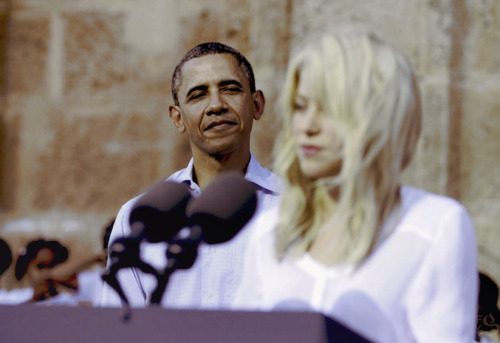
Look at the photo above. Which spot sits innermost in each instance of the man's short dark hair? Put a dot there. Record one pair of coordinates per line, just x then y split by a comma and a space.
211, 48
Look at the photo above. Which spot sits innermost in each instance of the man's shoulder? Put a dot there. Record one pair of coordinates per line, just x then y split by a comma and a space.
263, 177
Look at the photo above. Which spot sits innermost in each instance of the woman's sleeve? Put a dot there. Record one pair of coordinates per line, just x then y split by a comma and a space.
249, 295
442, 301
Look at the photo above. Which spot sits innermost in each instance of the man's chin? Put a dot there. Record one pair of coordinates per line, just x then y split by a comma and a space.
222, 142
223, 148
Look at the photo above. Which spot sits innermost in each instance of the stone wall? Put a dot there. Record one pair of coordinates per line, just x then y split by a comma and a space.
84, 96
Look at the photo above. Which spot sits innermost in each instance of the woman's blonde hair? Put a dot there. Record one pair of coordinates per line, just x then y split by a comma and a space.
369, 89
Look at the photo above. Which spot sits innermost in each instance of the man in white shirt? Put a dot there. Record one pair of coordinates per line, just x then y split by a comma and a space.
215, 104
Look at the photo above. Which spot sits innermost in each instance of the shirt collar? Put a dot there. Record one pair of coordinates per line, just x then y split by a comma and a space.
262, 177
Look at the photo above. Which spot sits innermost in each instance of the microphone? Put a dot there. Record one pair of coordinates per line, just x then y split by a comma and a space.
160, 212
223, 208
155, 217
216, 216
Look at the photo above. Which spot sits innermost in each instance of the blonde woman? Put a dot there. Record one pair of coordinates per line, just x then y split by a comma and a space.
394, 263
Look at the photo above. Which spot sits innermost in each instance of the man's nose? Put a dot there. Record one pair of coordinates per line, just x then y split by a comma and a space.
216, 104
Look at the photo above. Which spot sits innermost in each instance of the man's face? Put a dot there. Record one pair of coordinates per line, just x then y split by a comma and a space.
216, 107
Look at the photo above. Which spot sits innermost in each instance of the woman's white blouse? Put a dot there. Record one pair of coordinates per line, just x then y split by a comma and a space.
418, 285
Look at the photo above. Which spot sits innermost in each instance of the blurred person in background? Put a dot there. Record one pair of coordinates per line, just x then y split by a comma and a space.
5, 256
10, 296
488, 318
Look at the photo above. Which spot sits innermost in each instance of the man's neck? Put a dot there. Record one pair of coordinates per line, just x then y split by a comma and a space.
208, 167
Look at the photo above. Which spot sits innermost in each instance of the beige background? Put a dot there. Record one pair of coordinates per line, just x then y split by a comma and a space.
85, 89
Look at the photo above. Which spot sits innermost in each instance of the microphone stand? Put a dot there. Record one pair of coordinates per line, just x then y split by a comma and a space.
125, 253
162, 281
182, 252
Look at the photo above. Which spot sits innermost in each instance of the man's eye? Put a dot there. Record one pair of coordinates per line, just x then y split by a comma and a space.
195, 96
231, 90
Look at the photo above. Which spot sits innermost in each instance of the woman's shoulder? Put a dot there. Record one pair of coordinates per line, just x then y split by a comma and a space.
411, 196
419, 201
428, 212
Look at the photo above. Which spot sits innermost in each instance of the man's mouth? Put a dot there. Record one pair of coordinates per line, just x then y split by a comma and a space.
220, 125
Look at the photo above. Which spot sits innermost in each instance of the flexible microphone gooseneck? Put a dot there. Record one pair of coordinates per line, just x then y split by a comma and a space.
216, 216
156, 216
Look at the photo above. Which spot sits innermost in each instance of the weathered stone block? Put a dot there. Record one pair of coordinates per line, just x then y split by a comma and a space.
269, 50
311, 18
27, 50
86, 173
200, 22
10, 136
436, 22
96, 68
428, 168
483, 37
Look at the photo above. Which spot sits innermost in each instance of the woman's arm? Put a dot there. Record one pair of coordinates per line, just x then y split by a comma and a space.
442, 301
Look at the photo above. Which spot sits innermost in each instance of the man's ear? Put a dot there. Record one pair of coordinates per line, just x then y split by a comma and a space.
260, 103
175, 115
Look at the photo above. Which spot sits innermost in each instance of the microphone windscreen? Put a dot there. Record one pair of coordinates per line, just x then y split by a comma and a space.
224, 207
161, 210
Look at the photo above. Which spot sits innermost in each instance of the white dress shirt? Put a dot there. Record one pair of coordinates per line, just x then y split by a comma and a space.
418, 285
214, 278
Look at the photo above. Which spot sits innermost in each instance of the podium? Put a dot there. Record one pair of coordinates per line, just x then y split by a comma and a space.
62, 324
